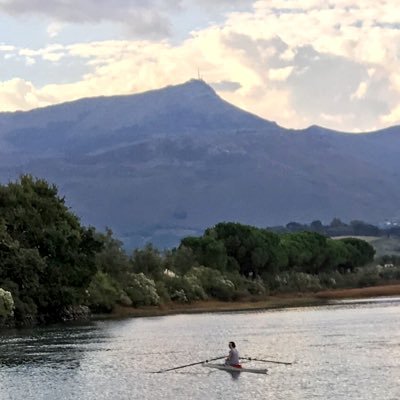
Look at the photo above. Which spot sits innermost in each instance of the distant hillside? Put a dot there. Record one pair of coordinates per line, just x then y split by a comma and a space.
167, 163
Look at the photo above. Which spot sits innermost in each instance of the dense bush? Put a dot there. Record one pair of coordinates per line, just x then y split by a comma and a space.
369, 276
256, 287
390, 273
103, 293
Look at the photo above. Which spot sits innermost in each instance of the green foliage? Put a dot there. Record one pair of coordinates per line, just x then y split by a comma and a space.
112, 258
337, 254
256, 251
47, 260
208, 251
307, 251
149, 262
181, 260
369, 276
162, 291
103, 293
360, 253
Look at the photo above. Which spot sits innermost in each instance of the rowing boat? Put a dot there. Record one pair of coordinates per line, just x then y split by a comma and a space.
229, 368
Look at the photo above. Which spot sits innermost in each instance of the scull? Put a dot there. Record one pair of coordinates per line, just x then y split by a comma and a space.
235, 369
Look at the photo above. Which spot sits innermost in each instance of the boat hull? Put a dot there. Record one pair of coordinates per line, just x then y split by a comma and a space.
235, 369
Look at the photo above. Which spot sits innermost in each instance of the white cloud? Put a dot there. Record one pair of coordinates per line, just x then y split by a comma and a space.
287, 55
393, 117
360, 92
19, 94
54, 29
6, 48
280, 74
52, 53
30, 61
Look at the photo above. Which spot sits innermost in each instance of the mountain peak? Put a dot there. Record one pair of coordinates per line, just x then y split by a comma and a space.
192, 88
190, 107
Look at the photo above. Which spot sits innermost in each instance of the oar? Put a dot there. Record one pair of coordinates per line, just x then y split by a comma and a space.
188, 365
268, 361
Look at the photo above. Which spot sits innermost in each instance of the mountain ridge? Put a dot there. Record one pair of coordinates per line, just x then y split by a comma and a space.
157, 164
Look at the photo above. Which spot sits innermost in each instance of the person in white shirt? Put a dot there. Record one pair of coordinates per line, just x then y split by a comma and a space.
233, 356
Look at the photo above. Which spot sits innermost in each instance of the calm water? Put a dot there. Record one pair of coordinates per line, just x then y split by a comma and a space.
345, 351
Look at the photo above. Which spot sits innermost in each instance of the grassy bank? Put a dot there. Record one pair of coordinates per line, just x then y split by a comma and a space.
271, 302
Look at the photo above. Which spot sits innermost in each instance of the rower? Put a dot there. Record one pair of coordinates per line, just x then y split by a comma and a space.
233, 356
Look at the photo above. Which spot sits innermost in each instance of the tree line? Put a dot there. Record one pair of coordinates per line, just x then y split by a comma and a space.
339, 228
52, 268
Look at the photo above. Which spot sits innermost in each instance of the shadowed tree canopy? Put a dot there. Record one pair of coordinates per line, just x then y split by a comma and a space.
256, 251
360, 252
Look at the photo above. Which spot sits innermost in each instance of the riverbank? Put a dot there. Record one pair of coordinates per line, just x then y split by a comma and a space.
271, 302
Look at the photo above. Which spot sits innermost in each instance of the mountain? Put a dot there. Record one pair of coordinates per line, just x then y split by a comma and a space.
164, 164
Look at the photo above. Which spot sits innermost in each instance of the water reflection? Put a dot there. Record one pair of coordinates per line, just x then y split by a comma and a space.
54, 347
234, 375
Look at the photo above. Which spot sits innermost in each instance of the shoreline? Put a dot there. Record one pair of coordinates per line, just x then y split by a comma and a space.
290, 300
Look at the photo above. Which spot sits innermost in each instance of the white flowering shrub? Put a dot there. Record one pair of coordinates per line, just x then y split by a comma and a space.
256, 287
184, 289
179, 296
142, 290
196, 290
214, 283
6, 304
297, 282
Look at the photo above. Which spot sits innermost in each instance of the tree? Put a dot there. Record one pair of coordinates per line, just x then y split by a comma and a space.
181, 260
112, 258
307, 251
148, 261
361, 228
47, 257
256, 251
295, 227
337, 223
317, 226
360, 252
208, 251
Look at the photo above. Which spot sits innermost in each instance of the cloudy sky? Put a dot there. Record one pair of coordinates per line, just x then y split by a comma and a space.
334, 63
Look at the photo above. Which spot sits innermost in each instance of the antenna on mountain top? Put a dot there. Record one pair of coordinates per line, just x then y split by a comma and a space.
198, 75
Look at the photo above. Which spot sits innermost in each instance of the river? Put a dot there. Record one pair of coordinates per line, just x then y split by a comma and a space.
345, 351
